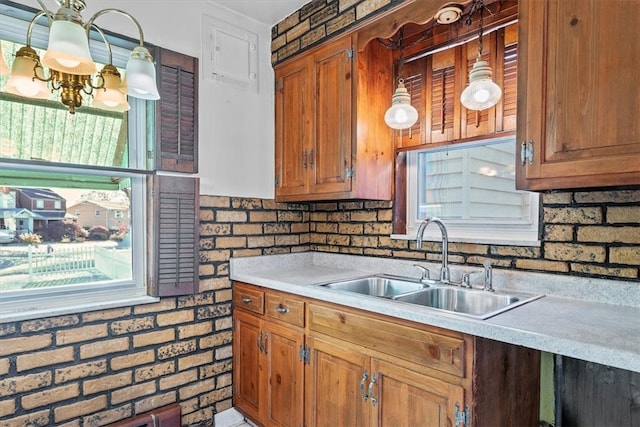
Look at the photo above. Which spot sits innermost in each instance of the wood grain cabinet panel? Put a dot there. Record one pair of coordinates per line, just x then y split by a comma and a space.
306, 362
578, 94
322, 151
268, 372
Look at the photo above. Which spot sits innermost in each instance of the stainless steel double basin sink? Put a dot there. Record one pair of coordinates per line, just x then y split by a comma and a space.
474, 303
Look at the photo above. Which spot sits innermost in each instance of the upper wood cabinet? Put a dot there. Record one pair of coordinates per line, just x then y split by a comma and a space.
436, 81
319, 153
177, 112
578, 94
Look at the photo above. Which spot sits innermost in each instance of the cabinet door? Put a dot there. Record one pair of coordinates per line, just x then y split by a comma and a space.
337, 380
579, 98
331, 149
247, 366
292, 104
285, 376
404, 398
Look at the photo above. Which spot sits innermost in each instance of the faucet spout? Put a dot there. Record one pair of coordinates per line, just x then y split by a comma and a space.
444, 271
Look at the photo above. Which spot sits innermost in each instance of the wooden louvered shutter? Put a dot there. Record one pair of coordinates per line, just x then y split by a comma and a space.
176, 235
177, 112
508, 41
414, 74
443, 97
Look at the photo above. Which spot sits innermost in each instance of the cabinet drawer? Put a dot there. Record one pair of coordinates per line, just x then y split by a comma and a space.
285, 308
414, 343
248, 298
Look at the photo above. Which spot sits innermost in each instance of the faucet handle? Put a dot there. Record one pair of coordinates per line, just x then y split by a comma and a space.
488, 276
424, 271
466, 278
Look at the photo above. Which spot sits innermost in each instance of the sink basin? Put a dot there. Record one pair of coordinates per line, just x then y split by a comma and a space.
380, 286
470, 302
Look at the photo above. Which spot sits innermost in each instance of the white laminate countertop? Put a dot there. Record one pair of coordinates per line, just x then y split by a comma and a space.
590, 319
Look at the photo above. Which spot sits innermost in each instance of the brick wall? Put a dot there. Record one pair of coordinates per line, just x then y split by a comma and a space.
318, 20
593, 234
95, 368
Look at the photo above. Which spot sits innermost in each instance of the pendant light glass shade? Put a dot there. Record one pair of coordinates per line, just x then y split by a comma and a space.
401, 114
482, 92
109, 97
68, 49
4, 68
22, 81
141, 75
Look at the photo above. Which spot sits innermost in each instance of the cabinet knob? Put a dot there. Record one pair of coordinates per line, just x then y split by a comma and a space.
282, 309
247, 300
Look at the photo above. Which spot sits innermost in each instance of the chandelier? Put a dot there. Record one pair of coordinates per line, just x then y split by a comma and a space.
71, 71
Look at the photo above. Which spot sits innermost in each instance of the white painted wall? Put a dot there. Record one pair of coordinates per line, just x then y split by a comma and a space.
236, 128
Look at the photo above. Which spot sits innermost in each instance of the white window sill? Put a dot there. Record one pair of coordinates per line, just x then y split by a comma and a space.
478, 240
57, 308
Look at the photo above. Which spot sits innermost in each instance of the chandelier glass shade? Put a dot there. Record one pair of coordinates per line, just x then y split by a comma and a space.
71, 70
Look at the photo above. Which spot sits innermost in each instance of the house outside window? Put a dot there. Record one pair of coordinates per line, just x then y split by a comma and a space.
117, 214
97, 213
471, 187
39, 204
57, 204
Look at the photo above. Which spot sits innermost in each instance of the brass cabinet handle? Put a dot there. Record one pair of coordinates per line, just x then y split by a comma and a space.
304, 158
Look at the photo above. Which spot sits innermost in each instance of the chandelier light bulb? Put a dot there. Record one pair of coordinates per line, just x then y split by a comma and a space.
401, 114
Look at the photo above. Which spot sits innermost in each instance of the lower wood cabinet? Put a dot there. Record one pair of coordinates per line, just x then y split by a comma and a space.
267, 369
337, 366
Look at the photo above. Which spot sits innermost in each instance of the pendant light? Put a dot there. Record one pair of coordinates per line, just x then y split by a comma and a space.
482, 92
401, 114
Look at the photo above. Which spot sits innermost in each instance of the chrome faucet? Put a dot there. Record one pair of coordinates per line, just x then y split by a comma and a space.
444, 271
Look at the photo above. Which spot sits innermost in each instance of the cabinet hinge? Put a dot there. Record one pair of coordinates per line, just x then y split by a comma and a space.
305, 354
461, 417
351, 172
526, 152
350, 53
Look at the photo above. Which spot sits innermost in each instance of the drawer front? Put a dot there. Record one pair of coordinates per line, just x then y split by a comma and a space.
416, 344
248, 298
285, 308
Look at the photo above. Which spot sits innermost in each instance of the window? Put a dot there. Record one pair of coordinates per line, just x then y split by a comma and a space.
117, 214
92, 156
471, 187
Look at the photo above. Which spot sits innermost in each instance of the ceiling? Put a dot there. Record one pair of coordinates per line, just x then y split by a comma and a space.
268, 12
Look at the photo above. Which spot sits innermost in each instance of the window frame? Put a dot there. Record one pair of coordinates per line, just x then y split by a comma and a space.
22, 305
525, 232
